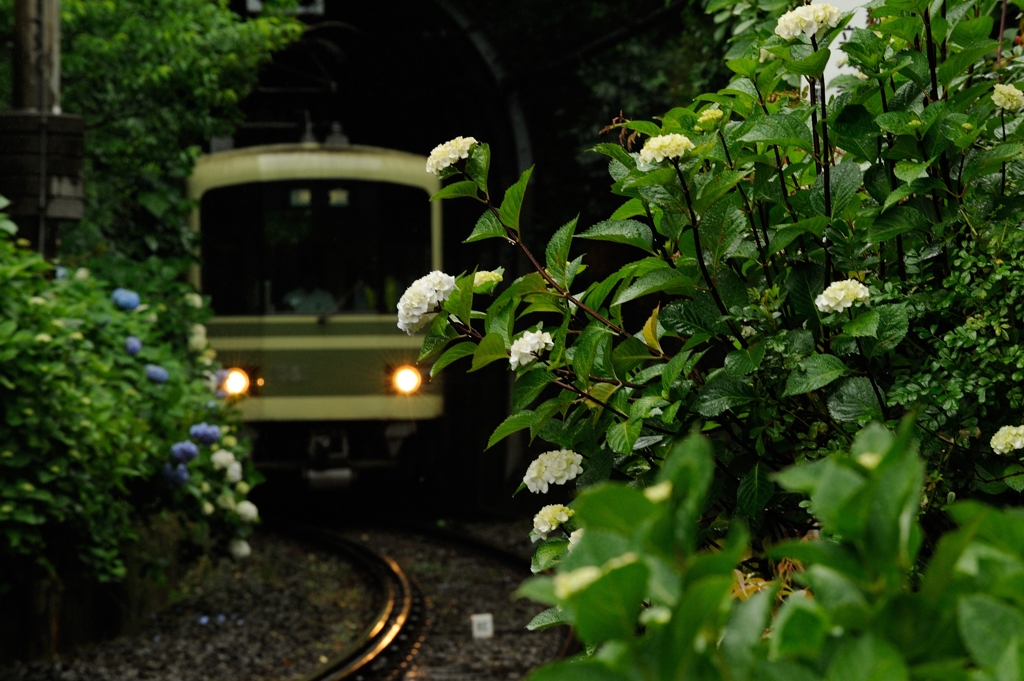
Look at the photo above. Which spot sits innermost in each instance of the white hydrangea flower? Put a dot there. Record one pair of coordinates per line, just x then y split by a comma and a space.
526, 348
808, 20
226, 501
197, 338
1008, 97
222, 458
43, 338
709, 118
568, 583
574, 538
660, 492
207, 508
247, 511
843, 59
234, 473
242, 488
194, 299
657, 149
417, 305
1007, 439
239, 548
81, 274
550, 517
841, 295
552, 468
444, 155
486, 277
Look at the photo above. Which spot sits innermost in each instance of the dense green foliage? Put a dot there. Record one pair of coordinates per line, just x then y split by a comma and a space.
86, 434
894, 186
860, 615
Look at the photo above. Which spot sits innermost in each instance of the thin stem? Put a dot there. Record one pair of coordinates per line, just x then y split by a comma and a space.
867, 372
930, 44
1002, 120
814, 122
778, 159
826, 164
1002, 30
700, 256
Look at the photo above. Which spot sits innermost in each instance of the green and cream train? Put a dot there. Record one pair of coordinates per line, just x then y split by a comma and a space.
306, 250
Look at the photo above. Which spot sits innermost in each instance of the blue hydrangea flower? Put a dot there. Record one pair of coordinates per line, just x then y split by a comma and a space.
125, 299
206, 433
61, 273
176, 475
184, 451
132, 345
157, 374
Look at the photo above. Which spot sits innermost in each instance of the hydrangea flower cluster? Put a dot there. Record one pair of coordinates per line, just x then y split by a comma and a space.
709, 118
206, 433
574, 538
418, 304
247, 511
444, 155
485, 277
239, 548
1007, 439
659, 148
125, 299
197, 338
156, 373
176, 475
184, 451
1007, 97
193, 300
132, 345
808, 20
552, 468
841, 295
527, 347
550, 518
234, 472
222, 458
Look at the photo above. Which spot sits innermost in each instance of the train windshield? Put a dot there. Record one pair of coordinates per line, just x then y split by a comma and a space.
313, 246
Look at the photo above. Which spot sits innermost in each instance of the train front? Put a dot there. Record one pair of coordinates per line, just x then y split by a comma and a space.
306, 250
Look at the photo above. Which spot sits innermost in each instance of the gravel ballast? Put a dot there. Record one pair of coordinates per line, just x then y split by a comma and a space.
284, 611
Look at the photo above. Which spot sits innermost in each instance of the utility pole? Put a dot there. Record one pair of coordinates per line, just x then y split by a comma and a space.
41, 148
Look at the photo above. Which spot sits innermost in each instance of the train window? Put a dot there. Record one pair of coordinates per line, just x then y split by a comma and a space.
313, 247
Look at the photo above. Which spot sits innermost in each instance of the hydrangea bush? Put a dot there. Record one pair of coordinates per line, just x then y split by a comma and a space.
809, 257
108, 418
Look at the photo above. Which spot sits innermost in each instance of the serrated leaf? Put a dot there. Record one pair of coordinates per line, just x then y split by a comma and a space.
854, 400
456, 190
547, 554
439, 334
896, 221
623, 435
629, 209
552, 617
744, 361
755, 490
812, 65
491, 349
688, 317
786, 234
628, 232
460, 302
529, 387
515, 422
512, 204
628, 355
863, 325
1015, 477
666, 279
602, 392
557, 251
722, 393
452, 354
783, 129
487, 227
988, 627
650, 330
814, 372
893, 324
478, 165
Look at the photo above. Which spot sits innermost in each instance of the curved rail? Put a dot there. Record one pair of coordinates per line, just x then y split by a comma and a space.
395, 614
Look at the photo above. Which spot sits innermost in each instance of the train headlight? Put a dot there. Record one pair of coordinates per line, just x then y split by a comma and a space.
236, 382
406, 380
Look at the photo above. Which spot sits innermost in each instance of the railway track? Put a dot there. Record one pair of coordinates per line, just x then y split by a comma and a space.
388, 644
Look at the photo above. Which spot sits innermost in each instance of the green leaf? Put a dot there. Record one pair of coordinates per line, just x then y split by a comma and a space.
529, 387
689, 317
552, 617
646, 127
787, 130
452, 354
547, 554
864, 324
512, 204
959, 62
867, 658
439, 334
804, 284
744, 361
785, 234
616, 508
576, 669
666, 279
491, 349
478, 165
988, 627
893, 324
628, 355
744, 67
813, 65
799, 629
896, 221
755, 490
623, 435
984, 161
854, 400
1015, 481
608, 608
814, 372
722, 393
557, 251
517, 421
460, 303
845, 181
456, 190
628, 232
629, 209
487, 227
